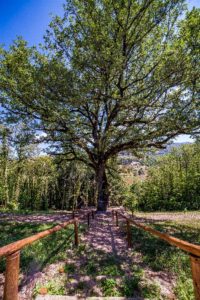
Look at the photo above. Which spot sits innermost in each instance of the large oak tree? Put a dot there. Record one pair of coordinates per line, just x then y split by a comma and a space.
113, 76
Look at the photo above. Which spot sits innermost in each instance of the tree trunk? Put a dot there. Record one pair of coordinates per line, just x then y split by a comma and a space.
5, 184
5, 153
102, 188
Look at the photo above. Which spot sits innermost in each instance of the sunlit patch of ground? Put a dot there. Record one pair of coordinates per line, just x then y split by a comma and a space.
190, 218
35, 217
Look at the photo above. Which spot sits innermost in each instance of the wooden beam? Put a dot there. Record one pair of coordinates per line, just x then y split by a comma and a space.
195, 266
76, 239
12, 276
14, 247
184, 245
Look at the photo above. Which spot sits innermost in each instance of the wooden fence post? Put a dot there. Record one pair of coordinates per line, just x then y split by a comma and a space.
195, 266
12, 276
113, 215
117, 223
73, 215
88, 219
76, 241
128, 233
92, 214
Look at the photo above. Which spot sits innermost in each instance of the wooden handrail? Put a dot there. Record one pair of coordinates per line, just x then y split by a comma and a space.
12, 253
18, 245
183, 245
192, 249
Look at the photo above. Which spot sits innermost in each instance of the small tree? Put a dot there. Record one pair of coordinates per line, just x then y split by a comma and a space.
131, 201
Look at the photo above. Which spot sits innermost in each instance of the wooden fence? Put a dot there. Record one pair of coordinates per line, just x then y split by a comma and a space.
192, 249
12, 253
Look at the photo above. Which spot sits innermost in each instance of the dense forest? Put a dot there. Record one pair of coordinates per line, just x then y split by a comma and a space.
173, 182
30, 179
33, 180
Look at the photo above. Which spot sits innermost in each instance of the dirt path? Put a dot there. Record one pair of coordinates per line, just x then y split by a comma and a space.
102, 265
38, 218
103, 235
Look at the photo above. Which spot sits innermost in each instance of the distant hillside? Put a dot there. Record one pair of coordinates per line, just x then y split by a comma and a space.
170, 147
126, 158
133, 169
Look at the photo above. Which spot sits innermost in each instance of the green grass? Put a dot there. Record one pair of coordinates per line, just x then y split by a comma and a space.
103, 264
37, 255
151, 291
53, 287
70, 268
116, 283
111, 266
159, 255
156, 254
110, 288
130, 284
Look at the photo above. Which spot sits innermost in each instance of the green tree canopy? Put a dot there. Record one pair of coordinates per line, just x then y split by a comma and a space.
173, 182
113, 76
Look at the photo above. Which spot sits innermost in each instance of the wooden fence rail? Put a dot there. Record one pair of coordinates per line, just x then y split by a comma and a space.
192, 249
12, 254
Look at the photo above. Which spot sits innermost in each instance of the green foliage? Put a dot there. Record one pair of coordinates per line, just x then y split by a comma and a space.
53, 288
131, 201
81, 249
151, 291
115, 75
112, 270
13, 206
130, 285
173, 183
109, 287
39, 182
80, 286
91, 268
184, 288
110, 266
70, 268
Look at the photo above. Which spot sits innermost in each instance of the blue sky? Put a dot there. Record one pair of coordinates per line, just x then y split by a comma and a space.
30, 19
27, 18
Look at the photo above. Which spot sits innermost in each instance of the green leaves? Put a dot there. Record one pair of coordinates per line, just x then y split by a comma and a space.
113, 76
173, 182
